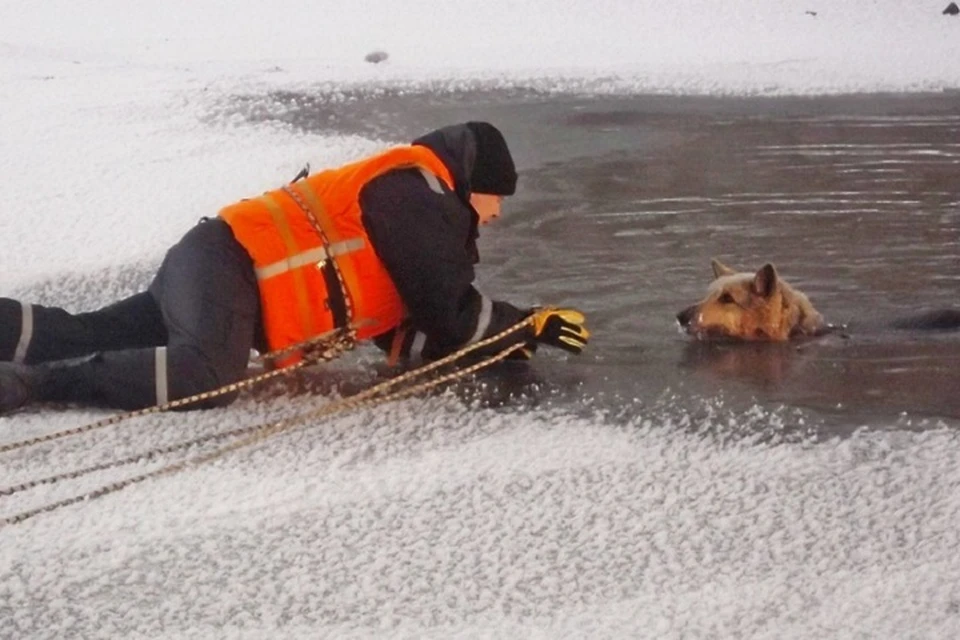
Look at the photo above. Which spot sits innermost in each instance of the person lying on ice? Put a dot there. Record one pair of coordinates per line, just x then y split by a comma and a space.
381, 243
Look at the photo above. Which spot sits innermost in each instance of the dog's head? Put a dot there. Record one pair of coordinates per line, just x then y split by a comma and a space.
750, 306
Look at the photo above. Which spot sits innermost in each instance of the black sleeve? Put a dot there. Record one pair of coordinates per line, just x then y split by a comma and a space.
424, 239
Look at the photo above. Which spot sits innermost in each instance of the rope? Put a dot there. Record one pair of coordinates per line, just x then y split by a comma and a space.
312, 217
333, 344
144, 456
153, 453
259, 433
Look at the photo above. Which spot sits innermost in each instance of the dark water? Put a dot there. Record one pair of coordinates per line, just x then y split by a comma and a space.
624, 200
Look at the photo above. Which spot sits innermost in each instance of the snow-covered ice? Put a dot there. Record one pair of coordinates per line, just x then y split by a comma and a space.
427, 518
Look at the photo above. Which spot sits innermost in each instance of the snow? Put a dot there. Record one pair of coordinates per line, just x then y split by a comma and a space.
426, 518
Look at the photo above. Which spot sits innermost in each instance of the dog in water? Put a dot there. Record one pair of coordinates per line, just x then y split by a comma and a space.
751, 306
761, 307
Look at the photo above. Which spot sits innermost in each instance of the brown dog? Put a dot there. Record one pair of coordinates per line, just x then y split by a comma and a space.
751, 306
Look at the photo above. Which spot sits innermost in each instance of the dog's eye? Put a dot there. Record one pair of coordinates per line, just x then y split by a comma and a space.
726, 298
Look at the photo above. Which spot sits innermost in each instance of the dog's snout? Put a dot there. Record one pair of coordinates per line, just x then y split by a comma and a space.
685, 316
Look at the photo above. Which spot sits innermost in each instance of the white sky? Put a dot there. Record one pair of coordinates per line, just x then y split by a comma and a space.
426, 520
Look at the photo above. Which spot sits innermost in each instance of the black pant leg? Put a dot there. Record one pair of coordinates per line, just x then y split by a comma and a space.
133, 379
208, 294
31, 333
208, 297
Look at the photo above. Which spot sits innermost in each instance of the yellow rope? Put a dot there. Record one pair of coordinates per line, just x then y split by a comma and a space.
367, 398
331, 345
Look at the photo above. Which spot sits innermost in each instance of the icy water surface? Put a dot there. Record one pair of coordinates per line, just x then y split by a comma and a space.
624, 200
677, 512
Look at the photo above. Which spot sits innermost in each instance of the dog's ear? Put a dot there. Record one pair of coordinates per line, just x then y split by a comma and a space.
765, 281
720, 269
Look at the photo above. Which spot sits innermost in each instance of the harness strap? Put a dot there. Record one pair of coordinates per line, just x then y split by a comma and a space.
337, 301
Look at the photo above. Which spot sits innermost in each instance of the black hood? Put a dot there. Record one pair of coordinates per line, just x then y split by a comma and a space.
457, 149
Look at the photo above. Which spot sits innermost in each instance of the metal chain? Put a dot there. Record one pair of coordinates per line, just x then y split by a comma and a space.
325, 347
308, 211
367, 398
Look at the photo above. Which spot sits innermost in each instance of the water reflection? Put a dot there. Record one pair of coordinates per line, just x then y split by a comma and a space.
767, 366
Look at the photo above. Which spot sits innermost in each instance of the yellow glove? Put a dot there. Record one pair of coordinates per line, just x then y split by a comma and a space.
563, 328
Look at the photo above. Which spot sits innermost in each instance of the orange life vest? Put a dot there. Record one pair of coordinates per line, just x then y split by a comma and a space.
292, 257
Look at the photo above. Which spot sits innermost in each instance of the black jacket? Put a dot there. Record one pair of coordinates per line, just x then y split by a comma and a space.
428, 242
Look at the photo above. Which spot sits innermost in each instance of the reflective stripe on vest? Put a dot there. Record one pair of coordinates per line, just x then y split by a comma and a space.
300, 284
311, 256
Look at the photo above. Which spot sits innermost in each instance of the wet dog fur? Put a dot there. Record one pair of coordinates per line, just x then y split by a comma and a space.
761, 307
752, 307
